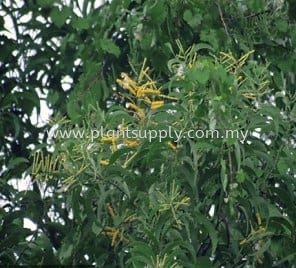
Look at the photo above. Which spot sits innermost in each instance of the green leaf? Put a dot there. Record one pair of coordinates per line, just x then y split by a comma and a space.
293, 113
31, 100
282, 26
203, 144
14, 162
65, 251
274, 113
96, 229
202, 46
283, 166
108, 46
141, 254
53, 97
255, 5
157, 12
202, 262
193, 20
198, 73
59, 17
80, 23
211, 37
281, 225
223, 175
118, 154
237, 154
118, 182
45, 3
73, 106
211, 231
203, 76
240, 176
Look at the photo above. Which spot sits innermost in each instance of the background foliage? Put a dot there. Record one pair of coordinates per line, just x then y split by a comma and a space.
198, 203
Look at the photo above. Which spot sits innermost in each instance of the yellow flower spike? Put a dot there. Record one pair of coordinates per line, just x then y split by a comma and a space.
127, 86
243, 59
262, 230
243, 242
143, 92
115, 234
262, 85
130, 159
156, 104
114, 146
168, 97
140, 92
121, 236
122, 128
227, 57
131, 143
108, 139
259, 260
250, 96
239, 78
140, 111
104, 162
111, 210
172, 146
112, 233
127, 83
258, 218
131, 218
147, 100
233, 64
143, 71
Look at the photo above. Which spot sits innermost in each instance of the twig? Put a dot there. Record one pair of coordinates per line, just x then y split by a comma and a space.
222, 19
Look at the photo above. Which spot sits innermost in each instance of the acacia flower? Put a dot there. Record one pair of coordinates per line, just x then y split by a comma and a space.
261, 229
110, 140
249, 95
131, 143
143, 92
116, 234
127, 83
140, 111
104, 162
156, 104
172, 146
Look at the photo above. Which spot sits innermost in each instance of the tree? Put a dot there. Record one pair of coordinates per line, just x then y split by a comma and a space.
149, 66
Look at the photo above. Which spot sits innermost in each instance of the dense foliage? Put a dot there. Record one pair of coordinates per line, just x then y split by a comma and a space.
149, 65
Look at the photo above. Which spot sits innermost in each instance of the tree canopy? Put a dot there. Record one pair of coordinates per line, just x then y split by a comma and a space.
146, 65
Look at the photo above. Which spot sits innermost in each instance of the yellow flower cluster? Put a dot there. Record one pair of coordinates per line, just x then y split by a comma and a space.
143, 91
115, 141
44, 166
139, 90
257, 238
235, 67
116, 234
261, 229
